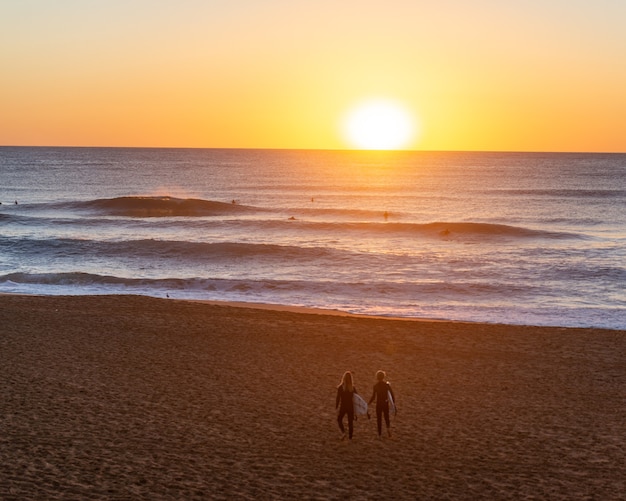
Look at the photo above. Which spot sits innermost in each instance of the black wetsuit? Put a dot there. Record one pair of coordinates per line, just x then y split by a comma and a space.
382, 402
345, 403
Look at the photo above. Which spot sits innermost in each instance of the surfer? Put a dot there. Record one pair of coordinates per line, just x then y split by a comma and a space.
382, 393
345, 404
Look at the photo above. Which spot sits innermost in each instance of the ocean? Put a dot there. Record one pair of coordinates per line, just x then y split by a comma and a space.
513, 238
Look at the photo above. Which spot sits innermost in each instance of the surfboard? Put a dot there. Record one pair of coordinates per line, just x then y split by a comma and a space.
392, 404
360, 405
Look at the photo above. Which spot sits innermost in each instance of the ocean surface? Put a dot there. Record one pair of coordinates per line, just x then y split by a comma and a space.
516, 238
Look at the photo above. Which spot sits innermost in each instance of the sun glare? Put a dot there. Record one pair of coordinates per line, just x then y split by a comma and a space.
379, 125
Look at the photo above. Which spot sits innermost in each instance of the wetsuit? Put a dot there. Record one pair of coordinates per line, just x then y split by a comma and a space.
382, 402
345, 403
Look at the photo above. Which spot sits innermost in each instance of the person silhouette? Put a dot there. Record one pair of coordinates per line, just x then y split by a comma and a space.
382, 390
344, 403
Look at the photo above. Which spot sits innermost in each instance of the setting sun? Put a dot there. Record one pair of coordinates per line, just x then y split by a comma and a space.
379, 125
319, 75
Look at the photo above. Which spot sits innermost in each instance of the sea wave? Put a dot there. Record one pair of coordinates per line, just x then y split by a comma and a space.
141, 211
490, 229
165, 249
487, 293
443, 300
82, 282
443, 229
564, 193
157, 206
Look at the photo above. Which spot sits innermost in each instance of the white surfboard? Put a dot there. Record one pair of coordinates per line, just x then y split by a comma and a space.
360, 405
392, 404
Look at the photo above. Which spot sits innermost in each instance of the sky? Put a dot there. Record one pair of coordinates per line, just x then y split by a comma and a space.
486, 75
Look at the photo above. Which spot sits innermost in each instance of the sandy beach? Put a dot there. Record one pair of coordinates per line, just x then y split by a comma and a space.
130, 397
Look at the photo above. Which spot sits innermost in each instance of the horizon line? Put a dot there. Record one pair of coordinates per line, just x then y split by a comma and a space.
354, 150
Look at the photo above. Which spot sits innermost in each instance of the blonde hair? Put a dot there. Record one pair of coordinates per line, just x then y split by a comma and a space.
347, 381
380, 375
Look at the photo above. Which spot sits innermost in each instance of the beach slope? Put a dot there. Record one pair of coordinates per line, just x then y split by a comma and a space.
130, 397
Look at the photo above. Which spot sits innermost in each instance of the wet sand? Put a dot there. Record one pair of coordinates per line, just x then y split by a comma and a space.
126, 397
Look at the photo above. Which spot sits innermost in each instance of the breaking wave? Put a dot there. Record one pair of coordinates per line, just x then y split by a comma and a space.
155, 285
158, 206
447, 229
162, 248
565, 193
188, 213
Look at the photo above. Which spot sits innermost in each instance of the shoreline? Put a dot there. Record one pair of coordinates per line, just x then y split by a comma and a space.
310, 310
136, 397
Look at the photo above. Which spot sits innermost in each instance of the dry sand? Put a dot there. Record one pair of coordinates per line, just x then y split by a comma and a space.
139, 398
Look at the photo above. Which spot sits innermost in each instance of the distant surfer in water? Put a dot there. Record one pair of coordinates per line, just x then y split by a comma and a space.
345, 403
382, 392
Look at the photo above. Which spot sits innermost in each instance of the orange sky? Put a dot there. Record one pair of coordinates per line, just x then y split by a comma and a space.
480, 75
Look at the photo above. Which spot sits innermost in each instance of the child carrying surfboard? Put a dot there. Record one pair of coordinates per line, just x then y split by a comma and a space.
385, 400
